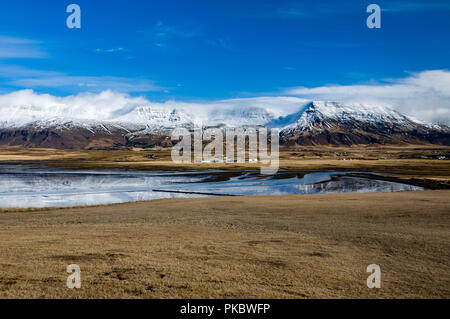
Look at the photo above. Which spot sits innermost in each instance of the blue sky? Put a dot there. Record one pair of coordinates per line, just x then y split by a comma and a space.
209, 50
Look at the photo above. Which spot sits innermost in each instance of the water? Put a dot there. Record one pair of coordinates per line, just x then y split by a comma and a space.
34, 186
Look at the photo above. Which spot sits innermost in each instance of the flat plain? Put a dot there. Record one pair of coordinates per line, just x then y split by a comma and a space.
296, 246
309, 246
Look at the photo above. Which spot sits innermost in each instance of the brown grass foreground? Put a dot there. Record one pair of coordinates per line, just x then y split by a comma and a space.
310, 246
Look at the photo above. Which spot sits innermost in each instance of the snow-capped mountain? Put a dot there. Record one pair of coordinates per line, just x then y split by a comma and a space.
60, 126
326, 114
354, 123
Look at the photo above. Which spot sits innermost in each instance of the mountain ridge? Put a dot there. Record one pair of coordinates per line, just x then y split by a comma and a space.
316, 122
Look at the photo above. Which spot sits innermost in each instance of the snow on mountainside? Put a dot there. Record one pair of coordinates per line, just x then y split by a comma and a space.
155, 118
249, 116
139, 117
338, 123
326, 113
142, 117
25, 108
54, 123
158, 117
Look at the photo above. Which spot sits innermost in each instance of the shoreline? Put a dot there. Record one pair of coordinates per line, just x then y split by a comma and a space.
40, 209
425, 173
214, 177
221, 174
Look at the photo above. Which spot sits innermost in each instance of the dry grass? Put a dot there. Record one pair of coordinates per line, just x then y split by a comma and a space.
311, 246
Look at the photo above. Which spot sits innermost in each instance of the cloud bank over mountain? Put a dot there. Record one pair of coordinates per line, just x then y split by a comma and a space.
25, 106
424, 96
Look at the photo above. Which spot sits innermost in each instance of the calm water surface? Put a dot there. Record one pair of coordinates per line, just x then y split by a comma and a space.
34, 186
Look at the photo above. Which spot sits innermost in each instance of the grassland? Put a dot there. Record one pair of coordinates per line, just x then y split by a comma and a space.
309, 246
312, 246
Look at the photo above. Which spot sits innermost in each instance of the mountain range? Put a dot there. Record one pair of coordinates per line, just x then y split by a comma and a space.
311, 123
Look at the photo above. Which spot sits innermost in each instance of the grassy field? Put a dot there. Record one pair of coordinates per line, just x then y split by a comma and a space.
311, 246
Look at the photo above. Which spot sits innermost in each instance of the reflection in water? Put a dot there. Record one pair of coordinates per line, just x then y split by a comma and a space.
31, 186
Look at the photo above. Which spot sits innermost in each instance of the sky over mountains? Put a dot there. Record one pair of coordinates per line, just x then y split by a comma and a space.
424, 96
206, 54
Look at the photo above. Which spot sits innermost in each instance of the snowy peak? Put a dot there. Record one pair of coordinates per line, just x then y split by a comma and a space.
168, 116
301, 122
337, 123
326, 112
156, 117
235, 117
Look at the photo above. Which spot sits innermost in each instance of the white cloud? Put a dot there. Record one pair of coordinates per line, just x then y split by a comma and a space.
88, 83
164, 31
37, 79
424, 95
112, 50
19, 48
25, 106
164, 34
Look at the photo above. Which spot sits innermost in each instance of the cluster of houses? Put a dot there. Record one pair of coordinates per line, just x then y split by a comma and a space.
225, 159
